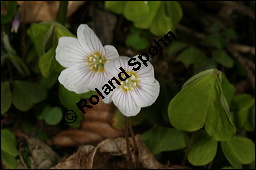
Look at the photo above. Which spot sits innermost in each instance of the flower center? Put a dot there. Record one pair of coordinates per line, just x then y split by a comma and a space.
96, 62
131, 82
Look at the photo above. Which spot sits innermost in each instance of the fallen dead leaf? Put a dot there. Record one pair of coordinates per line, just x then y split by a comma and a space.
42, 156
95, 127
86, 156
33, 11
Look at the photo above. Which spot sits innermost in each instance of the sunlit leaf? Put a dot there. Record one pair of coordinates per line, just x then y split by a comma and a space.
203, 149
218, 122
161, 23
201, 102
159, 139
174, 11
147, 20
185, 112
135, 10
115, 6
5, 97
239, 150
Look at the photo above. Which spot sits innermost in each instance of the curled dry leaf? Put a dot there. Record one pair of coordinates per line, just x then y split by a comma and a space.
86, 156
95, 127
42, 156
33, 11
73, 137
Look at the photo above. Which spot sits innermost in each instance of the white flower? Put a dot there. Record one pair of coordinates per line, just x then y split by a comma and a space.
141, 89
84, 58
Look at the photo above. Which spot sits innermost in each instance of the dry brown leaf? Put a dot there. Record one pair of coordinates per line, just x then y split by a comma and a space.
33, 11
42, 156
95, 127
86, 158
77, 160
73, 137
101, 128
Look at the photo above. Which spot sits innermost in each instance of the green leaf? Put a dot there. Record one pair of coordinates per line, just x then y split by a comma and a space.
47, 63
223, 58
8, 142
115, 6
229, 33
5, 97
26, 94
239, 150
185, 112
218, 122
12, 7
54, 116
9, 160
175, 47
200, 102
61, 31
190, 56
68, 98
227, 88
203, 149
243, 101
47, 108
19, 64
161, 23
159, 139
147, 20
136, 41
174, 11
242, 105
37, 33
48, 82
196, 77
135, 10
214, 40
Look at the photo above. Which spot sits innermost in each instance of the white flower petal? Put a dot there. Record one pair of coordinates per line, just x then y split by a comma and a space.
125, 103
97, 80
112, 67
88, 40
76, 78
69, 52
146, 94
111, 52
